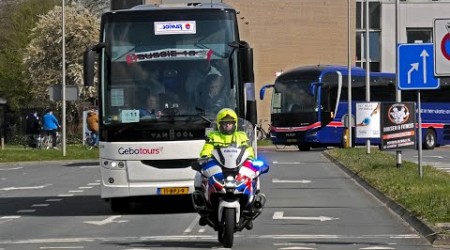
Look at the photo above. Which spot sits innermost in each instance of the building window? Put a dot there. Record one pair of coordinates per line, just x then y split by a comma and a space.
374, 34
374, 15
419, 35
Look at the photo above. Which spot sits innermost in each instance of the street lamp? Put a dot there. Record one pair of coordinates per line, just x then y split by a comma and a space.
63, 83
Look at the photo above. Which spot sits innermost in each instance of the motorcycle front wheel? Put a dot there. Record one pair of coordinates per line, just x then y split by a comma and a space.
226, 231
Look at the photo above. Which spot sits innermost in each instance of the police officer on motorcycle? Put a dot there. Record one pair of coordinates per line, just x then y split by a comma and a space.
225, 134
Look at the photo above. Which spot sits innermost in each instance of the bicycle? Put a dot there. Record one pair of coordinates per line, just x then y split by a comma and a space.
46, 140
261, 133
89, 140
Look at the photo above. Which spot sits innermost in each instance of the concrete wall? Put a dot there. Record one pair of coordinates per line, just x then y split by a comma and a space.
412, 14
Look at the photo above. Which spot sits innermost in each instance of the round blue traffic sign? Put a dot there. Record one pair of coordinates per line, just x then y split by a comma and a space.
445, 46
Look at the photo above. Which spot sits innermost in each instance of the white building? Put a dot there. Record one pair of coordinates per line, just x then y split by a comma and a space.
415, 25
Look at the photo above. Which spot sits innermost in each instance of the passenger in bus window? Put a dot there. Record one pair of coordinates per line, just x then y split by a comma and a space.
196, 76
153, 80
216, 97
152, 108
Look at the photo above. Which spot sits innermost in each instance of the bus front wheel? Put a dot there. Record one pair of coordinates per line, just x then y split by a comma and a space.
430, 139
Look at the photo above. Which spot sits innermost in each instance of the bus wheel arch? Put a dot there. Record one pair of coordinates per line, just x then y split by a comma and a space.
430, 139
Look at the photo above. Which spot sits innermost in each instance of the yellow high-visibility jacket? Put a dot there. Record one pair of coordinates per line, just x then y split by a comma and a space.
217, 139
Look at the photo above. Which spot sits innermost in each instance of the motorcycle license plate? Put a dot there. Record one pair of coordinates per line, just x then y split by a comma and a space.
173, 191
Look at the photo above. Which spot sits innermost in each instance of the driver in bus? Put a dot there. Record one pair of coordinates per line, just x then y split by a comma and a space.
226, 122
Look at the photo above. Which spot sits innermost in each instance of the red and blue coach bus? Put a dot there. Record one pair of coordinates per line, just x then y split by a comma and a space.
309, 106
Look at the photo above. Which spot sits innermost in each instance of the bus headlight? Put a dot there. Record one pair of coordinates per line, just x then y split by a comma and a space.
114, 165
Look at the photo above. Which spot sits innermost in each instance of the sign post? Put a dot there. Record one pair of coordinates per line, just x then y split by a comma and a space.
416, 69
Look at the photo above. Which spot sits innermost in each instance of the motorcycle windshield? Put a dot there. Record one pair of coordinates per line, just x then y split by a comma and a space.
242, 126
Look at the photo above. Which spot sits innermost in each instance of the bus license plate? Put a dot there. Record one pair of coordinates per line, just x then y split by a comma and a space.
173, 191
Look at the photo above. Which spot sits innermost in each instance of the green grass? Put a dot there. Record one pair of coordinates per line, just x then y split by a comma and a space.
427, 197
265, 142
16, 153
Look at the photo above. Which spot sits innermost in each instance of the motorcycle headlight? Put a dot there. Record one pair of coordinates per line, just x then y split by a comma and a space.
230, 182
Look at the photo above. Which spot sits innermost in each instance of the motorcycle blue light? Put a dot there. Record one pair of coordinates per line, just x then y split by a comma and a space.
258, 163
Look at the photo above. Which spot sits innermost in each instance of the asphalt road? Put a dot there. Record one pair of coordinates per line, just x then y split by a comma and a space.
311, 204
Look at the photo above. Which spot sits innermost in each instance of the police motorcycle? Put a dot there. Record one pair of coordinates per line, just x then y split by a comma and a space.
231, 201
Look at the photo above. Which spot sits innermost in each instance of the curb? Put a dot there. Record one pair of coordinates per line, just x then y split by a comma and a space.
429, 232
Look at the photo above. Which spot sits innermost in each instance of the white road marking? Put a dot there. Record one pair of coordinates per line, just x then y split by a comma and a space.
23, 188
206, 237
192, 224
76, 191
292, 248
89, 166
85, 187
276, 180
65, 195
74, 247
376, 248
202, 230
108, 220
5, 219
40, 205
26, 211
93, 184
430, 156
10, 168
51, 200
280, 216
286, 162
10, 217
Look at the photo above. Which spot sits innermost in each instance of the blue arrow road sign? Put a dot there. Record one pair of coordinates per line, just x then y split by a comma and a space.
416, 66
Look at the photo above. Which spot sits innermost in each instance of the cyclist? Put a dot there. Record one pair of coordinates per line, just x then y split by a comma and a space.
50, 125
92, 125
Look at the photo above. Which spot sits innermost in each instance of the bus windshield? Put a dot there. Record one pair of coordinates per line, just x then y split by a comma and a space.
293, 96
155, 67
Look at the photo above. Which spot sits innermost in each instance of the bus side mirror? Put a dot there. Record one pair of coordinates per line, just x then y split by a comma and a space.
88, 67
262, 91
313, 89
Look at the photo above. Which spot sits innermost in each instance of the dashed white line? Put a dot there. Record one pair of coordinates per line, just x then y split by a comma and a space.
85, 187
40, 205
93, 184
202, 230
10, 168
65, 195
286, 162
51, 200
74, 247
26, 211
10, 217
76, 191
89, 166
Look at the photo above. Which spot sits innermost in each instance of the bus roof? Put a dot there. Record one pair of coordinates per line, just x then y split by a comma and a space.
321, 70
181, 6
